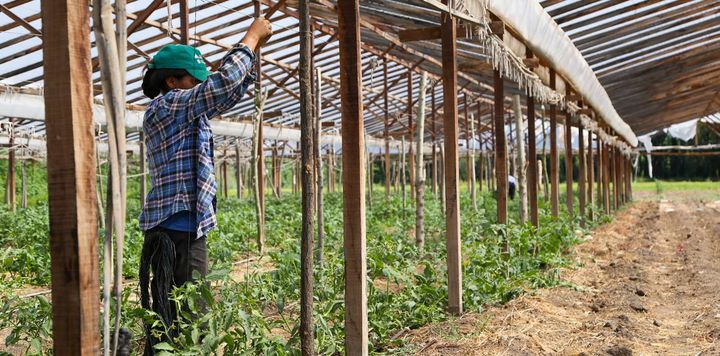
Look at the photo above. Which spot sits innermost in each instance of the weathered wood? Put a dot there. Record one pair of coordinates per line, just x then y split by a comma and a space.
71, 177
318, 166
532, 178
238, 173
479, 137
471, 166
11, 185
606, 177
402, 172
411, 133
353, 161
615, 178
386, 131
521, 179
184, 22
569, 197
24, 185
309, 150
434, 169
259, 157
581, 174
590, 177
554, 176
420, 167
419, 34
501, 169
450, 162
224, 174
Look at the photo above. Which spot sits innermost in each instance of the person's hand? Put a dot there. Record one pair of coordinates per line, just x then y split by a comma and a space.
258, 33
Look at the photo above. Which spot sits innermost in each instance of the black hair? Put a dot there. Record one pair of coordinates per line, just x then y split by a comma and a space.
154, 84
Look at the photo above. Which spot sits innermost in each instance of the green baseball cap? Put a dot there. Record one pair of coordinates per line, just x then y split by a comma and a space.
176, 56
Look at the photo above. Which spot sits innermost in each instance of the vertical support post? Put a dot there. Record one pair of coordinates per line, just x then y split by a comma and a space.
501, 169
411, 134
569, 198
238, 171
532, 176
260, 158
554, 176
590, 176
581, 173
71, 177
24, 197
466, 121
309, 151
353, 162
471, 167
616, 178
521, 176
11, 181
452, 204
318, 167
184, 22
606, 177
225, 175
386, 132
420, 169
434, 145
478, 134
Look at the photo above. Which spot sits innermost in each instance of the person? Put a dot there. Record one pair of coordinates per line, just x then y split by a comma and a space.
179, 210
512, 186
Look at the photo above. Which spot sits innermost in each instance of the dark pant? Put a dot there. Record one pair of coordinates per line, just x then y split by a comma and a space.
172, 257
511, 191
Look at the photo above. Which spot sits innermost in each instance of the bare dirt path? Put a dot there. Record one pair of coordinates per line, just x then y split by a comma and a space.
649, 283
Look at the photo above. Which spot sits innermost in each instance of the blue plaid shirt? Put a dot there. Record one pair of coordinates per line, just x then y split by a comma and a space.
179, 142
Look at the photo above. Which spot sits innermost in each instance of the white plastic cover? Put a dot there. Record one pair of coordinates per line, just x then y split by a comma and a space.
684, 131
646, 140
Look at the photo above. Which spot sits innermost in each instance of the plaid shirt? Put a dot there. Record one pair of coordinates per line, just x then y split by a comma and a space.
179, 142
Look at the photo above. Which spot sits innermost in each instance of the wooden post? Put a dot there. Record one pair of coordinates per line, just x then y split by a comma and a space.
309, 150
568, 165
260, 158
520, 163
386, 132
478, 134
71, 177
24, 196
452, 203
628, 180
471, 160
353, 165
615, 178
238, 172
11, 181
143, 169
402, 172
420, 167
441, 187
581, 173
466, 121
606, 177
318, 167
434, 163
225, 175
554, 176
501, 169
532, 178
590, 176
411, 133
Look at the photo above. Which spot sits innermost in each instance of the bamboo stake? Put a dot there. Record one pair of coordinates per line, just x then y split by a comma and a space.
238, 171
471, 161
402, 171
24, 198
319, 170
258, 156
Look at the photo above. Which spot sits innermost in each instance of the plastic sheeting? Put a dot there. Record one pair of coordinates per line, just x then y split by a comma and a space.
550, 42
685, 131
646, 140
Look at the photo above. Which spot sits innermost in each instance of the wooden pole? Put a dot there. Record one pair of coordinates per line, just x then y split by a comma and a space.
467, 143
308, 124
318, 167
260, 155
532, 178
452, 203
402, 172
71, 177
590, 176
615, 178
434, 169
501, 169
471, 167
554, 176
478, 134
420, 169
581, 173
238, 171
353, 165
225, 175
24, 192
568, 166
11, 181
606, 178
441, 168
411, 133
521, 179
386, 132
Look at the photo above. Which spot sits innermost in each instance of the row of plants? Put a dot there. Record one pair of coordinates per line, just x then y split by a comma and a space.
406, 287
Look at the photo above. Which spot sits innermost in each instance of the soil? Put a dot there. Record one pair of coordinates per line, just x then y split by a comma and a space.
647, 284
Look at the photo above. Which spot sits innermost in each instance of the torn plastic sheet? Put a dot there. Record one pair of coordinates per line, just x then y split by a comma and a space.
684, 131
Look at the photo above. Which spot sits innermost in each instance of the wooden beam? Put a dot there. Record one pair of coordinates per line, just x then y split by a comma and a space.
71, 177
581, 174
450, 163
554, 176
501, 169
532, 177
141, 17
353, 158
569, 198
590, 175
386, 131
184, 22
11, 186
19, 20
420, 34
